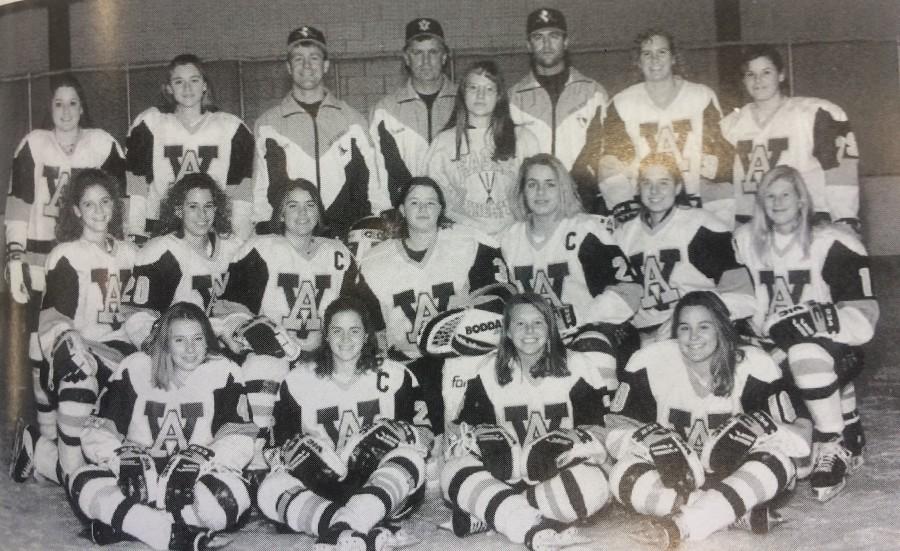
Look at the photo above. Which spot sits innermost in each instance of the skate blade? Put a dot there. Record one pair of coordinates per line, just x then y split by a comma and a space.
824, 495
219, 541
448, 526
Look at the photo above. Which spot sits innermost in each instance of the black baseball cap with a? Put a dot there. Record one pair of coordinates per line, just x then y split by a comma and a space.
545, 18
424, 27
306, 34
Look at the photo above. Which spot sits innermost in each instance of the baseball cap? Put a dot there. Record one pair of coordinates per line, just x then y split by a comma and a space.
306, 34
545, 18
424, 27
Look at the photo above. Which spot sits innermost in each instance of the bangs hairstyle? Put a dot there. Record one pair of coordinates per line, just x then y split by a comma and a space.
69, 226
157, 343
666, 161
569, 203
177, 194
552, 363
67, 80
369, 357
425, 181
679, 67
277, 224
761, 225
772, 54
501, 127
168, 104
728, 353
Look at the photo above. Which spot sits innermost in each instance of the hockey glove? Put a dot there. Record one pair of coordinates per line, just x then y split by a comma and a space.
544, 457
801, 322
180, 475
312, 462
19, 277
728, 446
499, 451
678, 465
72, 361
265, 337
365, 452
137, 473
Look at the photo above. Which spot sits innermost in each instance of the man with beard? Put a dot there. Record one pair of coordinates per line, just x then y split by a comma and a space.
555, 101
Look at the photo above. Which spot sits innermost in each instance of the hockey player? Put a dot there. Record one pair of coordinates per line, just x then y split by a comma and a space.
188, 133
814, 302
43, 165
80, 331
476, 158
315, 136
351, 434
554, 100
189, 261
702, 428
428, 270
405, 122
527, 461
568, 257
277, 289
810, 134
168, 442
663, 114
676, 249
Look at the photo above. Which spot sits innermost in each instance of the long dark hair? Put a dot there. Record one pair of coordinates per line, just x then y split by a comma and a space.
728, 353
157, 343
174, 202
369, 359
69, 226
67, 80
425, 181
168, 103
501, 127
552, 363
277, 224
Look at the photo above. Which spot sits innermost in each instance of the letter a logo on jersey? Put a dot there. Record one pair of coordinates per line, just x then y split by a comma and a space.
784, 293
669, 139
420, 308
756, 160
190, 161
658, 293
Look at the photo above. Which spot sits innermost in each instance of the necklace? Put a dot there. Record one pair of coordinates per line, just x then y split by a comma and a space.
67, 146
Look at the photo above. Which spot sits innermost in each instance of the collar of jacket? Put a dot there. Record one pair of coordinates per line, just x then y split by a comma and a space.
408, 93
530, 82
290, 106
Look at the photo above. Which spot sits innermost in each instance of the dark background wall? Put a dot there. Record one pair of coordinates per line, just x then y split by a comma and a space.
846, 52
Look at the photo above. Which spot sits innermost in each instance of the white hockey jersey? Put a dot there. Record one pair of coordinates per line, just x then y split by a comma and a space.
169, 270
270, 277
528, 409
836, 270
656, 387
40, 172
334, 411
809, 134
210, 410
161, 151
87, 285
410, 293
478, 189
690, 250
687, 128
579, 269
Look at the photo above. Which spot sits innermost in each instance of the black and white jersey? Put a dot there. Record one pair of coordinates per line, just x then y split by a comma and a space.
161, 151
579, 269
334, 410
